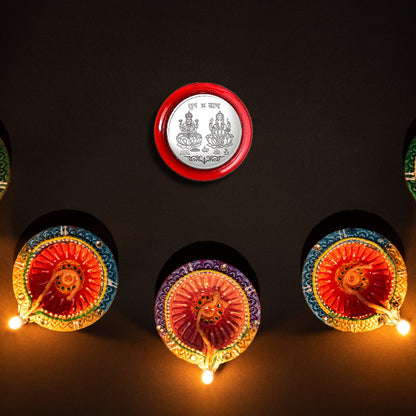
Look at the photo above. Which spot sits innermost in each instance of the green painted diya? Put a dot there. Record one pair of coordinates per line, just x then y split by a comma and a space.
4, 169
410, 168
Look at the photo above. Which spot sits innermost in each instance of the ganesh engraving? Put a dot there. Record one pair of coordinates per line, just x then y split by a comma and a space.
220, 135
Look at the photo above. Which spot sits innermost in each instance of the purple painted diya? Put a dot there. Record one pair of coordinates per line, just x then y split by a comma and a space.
207, 312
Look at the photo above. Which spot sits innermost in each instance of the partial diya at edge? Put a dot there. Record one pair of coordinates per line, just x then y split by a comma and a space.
64, 278
356, 280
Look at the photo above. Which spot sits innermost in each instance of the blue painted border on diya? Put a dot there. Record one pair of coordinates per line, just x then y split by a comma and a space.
325, 243
195, 265
91, 239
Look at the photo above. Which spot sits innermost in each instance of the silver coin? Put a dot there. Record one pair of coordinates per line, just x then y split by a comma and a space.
204, 131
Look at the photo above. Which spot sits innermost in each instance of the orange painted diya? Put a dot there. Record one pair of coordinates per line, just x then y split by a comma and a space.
355, 280
207, 312
64, 279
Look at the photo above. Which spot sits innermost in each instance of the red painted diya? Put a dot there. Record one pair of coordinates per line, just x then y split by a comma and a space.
64, 278
207, 312
355, 280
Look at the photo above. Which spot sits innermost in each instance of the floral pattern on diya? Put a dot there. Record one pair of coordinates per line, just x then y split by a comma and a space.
355, 280
207, 313
64, 278
355, 266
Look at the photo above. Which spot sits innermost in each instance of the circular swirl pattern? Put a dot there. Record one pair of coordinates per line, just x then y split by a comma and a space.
351, 275
207, 305
68, 276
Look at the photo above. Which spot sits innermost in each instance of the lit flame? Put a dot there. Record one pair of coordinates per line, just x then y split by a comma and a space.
207, 377
16, 322
403, 327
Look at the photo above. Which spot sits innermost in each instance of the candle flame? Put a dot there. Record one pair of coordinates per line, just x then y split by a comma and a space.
403, 327
207, 377
16, 322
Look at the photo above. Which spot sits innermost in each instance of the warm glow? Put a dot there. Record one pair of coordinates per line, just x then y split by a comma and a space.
207, 377
16, 322
403, 327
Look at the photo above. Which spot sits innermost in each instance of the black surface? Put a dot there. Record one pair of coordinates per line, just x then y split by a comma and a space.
331, 90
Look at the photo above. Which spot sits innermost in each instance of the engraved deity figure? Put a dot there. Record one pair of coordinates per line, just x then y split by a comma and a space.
189, 138
220, 132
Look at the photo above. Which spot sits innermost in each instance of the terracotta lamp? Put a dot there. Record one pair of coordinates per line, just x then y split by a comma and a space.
64, 279
410, 167
356, 280
4, 168
207, 312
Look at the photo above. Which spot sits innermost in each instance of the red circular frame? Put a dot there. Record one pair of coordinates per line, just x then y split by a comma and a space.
161, 140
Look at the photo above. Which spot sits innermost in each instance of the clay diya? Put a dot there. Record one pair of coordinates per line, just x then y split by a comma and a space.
207, 313
355, 280
64, 279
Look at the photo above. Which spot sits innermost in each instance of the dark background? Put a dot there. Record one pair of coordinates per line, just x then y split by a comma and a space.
331, 90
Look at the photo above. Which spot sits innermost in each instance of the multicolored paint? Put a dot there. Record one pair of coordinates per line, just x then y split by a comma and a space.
207, 312
410, 168
4, 168
64, 278
355, 280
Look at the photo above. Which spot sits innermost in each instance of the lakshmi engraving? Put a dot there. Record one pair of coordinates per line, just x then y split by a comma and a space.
189, 138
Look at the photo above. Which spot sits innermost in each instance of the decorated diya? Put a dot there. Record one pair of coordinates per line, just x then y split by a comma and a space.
207, 312
355, 280
203, 131
410, 168
4, 168
64, 279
